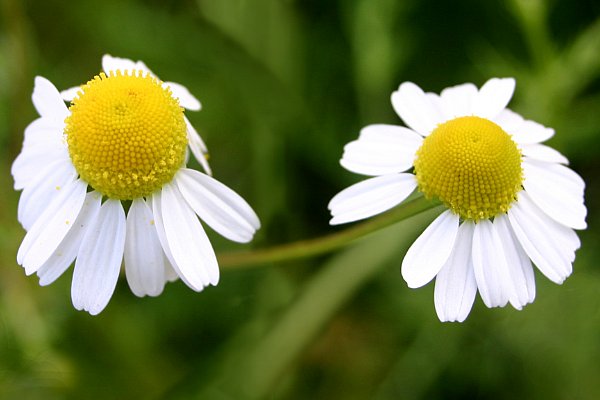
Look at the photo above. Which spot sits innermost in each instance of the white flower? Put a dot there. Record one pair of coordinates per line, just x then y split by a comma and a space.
124, 138
510, 200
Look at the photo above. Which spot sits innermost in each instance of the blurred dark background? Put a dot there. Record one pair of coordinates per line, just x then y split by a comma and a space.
284, 85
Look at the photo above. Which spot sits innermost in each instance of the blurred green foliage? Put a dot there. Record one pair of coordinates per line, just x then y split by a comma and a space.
284, 85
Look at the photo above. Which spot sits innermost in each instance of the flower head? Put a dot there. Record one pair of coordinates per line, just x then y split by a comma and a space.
123, 139
510, 200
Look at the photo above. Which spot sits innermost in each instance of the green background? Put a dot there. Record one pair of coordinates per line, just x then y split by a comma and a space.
284, 85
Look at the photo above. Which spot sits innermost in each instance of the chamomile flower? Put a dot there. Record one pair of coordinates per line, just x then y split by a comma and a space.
510, 200
122, 142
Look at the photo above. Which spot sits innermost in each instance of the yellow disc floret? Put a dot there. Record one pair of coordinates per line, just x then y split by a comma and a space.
472, 166
126, 134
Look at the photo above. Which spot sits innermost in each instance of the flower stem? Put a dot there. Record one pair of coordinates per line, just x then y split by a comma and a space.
266, 357
324, 244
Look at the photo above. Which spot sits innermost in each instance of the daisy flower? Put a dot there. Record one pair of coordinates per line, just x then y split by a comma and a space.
510, 200
121, 145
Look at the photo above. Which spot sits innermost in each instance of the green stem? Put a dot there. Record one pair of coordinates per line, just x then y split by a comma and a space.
325, 244
256, 372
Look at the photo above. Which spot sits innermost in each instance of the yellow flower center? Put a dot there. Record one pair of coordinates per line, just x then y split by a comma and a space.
472, 166
126, 134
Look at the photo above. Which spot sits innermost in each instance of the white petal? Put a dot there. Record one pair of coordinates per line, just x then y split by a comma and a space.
509, 120
563, 176
390, 133
455, 285
430, 251
170, 273
186, 99
99, 260
415, 108
188, 242
197, 146
544, 153
490, 266
550, 245
493, 97
457, 101
170, 265
28, 164
47, 100
70, 93
519, 266
144, 258
66, 252
220, 207
436, 102
558, 191
50, 180
113, 64
381, 149
371, 197
522, 131
45, 132
51, 227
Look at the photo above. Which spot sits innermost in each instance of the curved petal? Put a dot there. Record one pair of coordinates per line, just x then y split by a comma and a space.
47, 100
370, 197
70, 93
381, 149
171, 269
186, 99
430, 251
455, 285
457, 101
540, 152
398, 135
67, 250
509, 121
44, 132
436, 102
197, 146
519, 266
528, 132
415, 108
493, 97
28, 164
490, 266
36, 196
220, 207
99, 259
187, 241
51, 227
113, 64
170, 273
558, 191
143, 256
550, 245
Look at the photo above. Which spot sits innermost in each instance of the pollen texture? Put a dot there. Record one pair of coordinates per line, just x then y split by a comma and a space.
126, 134
472, 166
